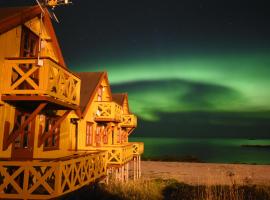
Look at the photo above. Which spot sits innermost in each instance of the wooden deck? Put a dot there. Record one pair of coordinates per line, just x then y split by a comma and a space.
49, 179
25, 78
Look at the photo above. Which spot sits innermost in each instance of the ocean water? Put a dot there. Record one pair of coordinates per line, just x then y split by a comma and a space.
207, 150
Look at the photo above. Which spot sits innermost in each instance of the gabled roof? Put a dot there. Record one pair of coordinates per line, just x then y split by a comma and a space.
14, 16
119, 98
10, 11
89, 86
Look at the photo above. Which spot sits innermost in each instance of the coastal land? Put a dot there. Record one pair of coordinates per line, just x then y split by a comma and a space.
207, 173
185, 180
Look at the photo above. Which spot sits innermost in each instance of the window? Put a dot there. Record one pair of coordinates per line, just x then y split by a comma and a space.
22, 141
99, 97
52, 140
118, 135
29, 43
105, 136
98, 137
29, 48
89, 133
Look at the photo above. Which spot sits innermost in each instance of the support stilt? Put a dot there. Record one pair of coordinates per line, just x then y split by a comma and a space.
140, 171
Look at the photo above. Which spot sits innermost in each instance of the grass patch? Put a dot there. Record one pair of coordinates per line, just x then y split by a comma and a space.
170, 189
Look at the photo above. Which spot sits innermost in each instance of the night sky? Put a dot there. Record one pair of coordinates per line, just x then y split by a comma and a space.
192, 68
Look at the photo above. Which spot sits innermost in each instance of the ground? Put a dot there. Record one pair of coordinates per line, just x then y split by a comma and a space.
207, 173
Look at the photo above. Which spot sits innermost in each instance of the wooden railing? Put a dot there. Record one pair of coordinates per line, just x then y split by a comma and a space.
50, 179
119, 154
129, 121
22, 76
108, 111
138, 148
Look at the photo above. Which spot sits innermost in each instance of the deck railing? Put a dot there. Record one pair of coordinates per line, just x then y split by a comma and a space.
50, 179
138, 148
129, 121
119, 154
108, 111
23, 76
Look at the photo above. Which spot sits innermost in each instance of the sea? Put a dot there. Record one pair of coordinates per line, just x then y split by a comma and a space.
211, 150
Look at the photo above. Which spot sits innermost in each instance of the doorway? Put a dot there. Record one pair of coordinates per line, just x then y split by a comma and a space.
23, 145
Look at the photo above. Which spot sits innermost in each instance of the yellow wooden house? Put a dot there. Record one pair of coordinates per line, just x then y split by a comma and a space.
59, 130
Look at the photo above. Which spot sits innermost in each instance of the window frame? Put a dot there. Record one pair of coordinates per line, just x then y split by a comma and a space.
54, 137
89, 134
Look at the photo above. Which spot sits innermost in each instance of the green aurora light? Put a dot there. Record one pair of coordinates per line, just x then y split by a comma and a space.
229, 83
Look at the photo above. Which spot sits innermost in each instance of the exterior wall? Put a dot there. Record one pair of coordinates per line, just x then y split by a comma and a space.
9, 47
89, 117
38, 28
125, 106
124, 131
6, 115
66, 131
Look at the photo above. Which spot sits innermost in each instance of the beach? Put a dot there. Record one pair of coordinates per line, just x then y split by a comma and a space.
207, 173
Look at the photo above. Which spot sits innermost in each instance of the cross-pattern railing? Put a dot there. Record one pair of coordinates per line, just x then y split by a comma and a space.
24, 77
108, 111
129, 121
138, 148
50, 179
119, 154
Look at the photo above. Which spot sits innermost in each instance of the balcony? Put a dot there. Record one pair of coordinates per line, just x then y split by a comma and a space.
137, 148
50, 179
118, 154
129, 121
108, 111
25, 81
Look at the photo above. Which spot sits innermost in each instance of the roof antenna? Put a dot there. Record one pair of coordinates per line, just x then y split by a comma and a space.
50, 5
39, 4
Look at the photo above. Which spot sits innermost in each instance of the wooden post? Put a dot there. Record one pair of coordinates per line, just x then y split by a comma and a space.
117, 174
140, 172
138, 167
127, 171
122, 173
134, 168
107, 177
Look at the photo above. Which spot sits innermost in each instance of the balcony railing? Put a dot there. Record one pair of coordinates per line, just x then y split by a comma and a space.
119, 154
138, 148
129, 121
22, 76
108, 111
50, 179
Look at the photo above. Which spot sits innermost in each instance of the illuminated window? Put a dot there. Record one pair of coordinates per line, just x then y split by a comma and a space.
105, 136
89, 133
52, 133
100, 91
22, 141
98, 135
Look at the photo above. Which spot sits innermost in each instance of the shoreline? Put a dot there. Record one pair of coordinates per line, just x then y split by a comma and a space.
193, 159
207, 173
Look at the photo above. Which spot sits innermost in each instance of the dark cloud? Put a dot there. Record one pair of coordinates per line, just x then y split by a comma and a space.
207, 124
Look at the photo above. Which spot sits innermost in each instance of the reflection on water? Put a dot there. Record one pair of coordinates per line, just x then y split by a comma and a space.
207, 150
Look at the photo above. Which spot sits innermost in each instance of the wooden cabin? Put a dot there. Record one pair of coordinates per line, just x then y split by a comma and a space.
59, 130
127, 126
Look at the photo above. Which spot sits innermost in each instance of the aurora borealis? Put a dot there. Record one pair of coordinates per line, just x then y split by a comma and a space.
192, 68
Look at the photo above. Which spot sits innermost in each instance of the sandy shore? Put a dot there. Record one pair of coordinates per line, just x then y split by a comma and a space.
207, 173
